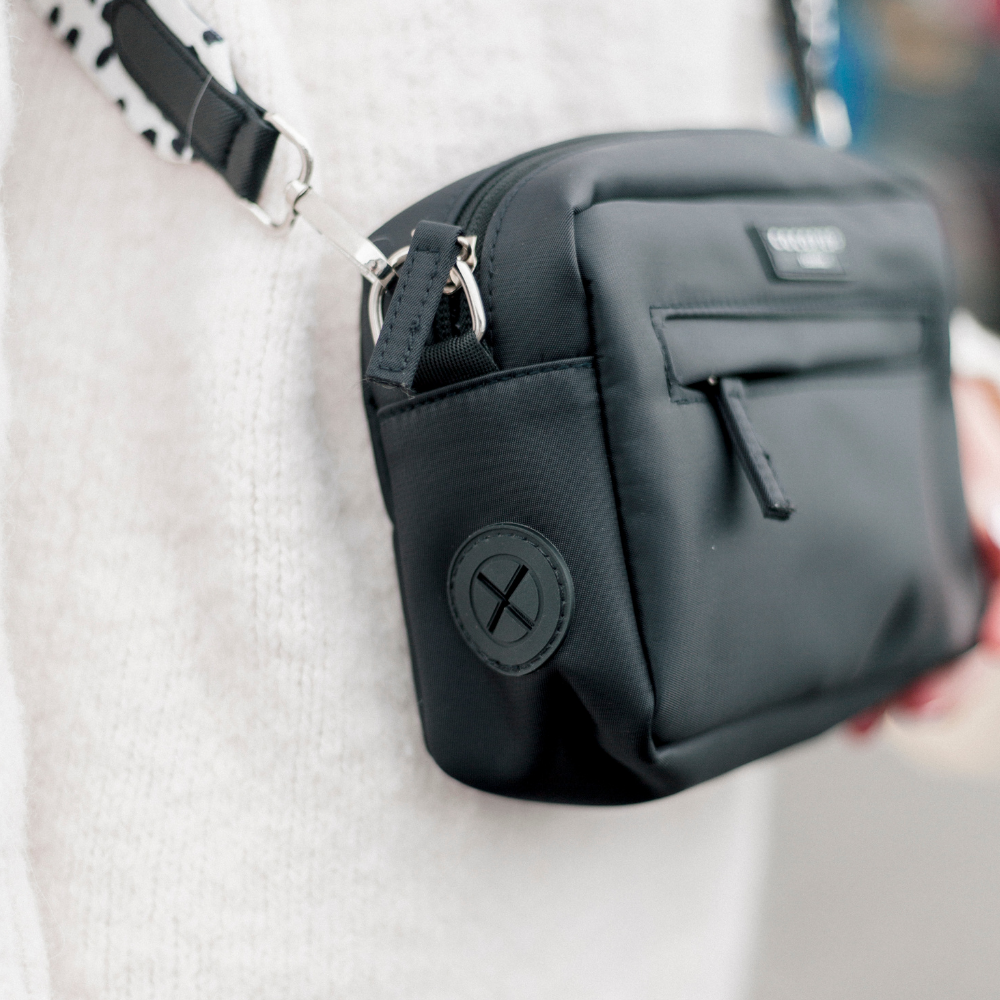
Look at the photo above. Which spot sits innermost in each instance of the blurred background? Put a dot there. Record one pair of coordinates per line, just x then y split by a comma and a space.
885, 873
916, 83
884, 880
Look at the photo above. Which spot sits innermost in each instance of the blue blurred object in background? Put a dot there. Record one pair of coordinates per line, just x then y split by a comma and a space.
920, 83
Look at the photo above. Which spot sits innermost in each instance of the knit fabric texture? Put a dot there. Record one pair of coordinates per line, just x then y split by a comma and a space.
227, 792
23, 969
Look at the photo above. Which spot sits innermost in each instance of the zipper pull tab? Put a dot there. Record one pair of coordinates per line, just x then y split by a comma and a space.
755, 461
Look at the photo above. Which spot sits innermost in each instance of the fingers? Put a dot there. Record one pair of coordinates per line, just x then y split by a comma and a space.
937, 693
977, 420
987, 541
989, 629
865, 723
929, 697
977, 417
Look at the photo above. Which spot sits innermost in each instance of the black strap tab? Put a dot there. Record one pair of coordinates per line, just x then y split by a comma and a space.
408, 324
225, 130
755, 461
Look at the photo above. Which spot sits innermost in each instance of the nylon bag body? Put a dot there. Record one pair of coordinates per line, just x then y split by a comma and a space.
671, 315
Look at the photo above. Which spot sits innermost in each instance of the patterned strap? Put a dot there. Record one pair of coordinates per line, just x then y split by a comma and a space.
171, 75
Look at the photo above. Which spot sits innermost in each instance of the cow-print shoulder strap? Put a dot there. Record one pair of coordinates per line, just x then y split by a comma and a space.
171, 75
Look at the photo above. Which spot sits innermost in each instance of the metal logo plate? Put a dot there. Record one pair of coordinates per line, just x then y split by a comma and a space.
804, 253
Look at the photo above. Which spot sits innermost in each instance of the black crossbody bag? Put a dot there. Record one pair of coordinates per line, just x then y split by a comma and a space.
664, 427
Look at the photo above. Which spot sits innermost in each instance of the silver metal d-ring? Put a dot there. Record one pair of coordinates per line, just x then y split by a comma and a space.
467, 281
295, 188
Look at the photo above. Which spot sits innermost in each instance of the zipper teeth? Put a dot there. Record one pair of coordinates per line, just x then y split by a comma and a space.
499, 183
493, 183
491, 190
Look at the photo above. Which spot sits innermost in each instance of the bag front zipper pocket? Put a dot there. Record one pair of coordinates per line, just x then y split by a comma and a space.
719, 355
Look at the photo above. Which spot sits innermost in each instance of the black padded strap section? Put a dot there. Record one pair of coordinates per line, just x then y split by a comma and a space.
434, 249
227, 130
755, 461
455, 359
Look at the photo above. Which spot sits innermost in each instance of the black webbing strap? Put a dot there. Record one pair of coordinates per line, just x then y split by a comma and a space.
225, 130
453, 359
797, 46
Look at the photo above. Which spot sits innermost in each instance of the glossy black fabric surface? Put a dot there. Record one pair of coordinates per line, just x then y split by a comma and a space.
619, 277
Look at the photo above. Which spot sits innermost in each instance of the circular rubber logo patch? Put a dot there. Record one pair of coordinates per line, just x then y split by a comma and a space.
511, 596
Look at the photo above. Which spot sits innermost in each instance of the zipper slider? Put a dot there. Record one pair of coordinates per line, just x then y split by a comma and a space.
730, 393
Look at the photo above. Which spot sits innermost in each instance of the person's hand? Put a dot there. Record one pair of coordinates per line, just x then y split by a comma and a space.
977, 415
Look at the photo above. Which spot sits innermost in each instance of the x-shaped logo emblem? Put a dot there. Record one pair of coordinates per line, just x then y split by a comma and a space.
504, 599
511, 596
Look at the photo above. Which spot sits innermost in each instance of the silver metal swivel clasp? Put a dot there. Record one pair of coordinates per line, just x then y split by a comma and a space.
366, 257
322, 216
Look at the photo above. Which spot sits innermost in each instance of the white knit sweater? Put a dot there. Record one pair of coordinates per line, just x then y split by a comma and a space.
227, 794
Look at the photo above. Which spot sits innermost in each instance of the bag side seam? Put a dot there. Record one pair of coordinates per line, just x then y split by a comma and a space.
623, 540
